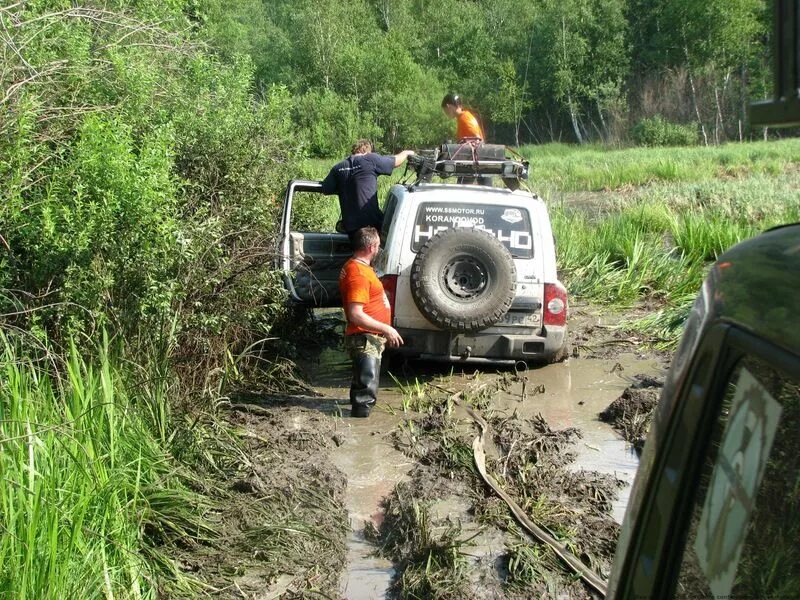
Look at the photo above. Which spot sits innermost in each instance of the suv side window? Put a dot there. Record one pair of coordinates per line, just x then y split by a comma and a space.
314, 213
742, 539
389, 211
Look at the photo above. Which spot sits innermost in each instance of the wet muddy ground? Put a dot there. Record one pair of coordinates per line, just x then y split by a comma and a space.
400, 488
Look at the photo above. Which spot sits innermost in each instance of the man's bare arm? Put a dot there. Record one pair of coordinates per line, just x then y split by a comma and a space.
400, 158
356, 316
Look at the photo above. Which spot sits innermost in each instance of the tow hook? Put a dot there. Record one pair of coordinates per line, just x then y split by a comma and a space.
466, 353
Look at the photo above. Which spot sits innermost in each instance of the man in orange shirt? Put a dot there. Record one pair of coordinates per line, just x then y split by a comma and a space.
467, 126
369, 320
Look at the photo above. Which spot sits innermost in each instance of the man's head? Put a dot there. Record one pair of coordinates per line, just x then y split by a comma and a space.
451, 105
366, 242
362, 147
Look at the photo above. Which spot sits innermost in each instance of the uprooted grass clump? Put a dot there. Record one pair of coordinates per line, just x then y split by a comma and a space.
429, 551
533, 463
632, 412
534, 466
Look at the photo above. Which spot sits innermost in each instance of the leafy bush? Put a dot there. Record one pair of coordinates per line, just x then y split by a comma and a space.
142, 181
332, 123
657, 131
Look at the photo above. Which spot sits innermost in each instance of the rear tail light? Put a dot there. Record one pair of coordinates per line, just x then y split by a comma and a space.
555, 304
390, 287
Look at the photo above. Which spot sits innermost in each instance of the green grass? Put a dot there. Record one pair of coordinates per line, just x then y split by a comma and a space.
596, 168
88, 495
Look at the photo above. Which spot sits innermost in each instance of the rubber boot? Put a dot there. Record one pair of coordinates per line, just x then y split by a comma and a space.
364, 387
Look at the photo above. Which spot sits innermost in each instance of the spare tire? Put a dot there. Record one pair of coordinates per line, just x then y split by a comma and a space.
463, 280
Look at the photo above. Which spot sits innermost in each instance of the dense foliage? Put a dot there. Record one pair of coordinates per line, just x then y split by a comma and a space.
534, 70
140, 177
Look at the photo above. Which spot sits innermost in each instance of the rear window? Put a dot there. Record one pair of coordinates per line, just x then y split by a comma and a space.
509, 224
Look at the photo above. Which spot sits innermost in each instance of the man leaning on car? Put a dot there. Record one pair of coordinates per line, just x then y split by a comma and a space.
355, 180
368, 320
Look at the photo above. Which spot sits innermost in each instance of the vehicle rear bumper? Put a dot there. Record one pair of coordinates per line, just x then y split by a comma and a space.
492, 346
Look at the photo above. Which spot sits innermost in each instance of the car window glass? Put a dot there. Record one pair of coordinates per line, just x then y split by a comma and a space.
313, 212
389, 211
509, 224
745, 524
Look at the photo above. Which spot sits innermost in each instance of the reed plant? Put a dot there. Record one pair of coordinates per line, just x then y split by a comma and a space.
89, 497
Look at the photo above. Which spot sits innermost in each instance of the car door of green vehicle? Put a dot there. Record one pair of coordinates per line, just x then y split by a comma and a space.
310, 254
722, 517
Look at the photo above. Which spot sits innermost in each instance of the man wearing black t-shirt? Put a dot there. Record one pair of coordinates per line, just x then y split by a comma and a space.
355, 180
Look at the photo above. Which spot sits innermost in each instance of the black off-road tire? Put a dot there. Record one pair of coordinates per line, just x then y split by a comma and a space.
463, 280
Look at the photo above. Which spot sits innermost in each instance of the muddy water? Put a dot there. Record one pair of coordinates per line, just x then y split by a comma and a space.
574, 393
372, 466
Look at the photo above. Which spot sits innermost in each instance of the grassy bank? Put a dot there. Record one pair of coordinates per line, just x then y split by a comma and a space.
655, 242
90, 497
594, 168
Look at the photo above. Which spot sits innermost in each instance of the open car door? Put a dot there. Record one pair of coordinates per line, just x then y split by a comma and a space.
310, 260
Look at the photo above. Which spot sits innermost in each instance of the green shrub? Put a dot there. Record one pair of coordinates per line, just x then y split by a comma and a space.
657, 131
141, 184
332, 123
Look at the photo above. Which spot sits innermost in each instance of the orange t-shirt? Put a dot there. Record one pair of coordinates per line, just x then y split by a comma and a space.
358, 283
467, 126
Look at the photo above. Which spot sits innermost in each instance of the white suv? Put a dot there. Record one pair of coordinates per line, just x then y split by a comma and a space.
470, 271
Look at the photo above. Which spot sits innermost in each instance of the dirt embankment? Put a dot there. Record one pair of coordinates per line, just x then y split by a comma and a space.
282, 518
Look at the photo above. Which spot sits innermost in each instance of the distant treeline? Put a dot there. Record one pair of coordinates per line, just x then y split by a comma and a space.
535, 70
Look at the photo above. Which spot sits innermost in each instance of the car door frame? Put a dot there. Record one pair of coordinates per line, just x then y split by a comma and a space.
655, 548
285, 259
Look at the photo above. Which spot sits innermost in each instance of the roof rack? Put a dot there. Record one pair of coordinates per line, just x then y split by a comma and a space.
470, 161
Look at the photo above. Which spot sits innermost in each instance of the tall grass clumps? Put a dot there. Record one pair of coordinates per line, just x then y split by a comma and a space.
657, 243
88, 495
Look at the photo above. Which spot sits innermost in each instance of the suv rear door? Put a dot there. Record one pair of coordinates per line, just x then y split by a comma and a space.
310, 257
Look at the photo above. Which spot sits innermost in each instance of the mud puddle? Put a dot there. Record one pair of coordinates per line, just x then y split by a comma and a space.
567, 395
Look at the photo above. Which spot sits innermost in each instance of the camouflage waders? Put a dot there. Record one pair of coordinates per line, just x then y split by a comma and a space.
365, 350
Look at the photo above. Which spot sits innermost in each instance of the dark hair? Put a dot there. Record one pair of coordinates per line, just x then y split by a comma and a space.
364, 238
361, 146
452, 100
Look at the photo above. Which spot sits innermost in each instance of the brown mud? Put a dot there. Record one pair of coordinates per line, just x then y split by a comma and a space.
281, 517
392, 506
632, 413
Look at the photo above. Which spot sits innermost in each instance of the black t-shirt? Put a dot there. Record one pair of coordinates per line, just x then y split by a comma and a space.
355, 180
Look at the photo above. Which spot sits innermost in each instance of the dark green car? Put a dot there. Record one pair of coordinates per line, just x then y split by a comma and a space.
715, 509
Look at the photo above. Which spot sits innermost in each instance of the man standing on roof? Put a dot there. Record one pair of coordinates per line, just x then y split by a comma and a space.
355, 180
369, 319
467, 126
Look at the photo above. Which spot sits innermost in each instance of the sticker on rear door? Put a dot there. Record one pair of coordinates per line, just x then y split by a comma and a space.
511, 226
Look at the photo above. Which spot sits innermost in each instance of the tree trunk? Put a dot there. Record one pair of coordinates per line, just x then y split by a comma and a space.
606, 133
694, 92
573, 115
743, 102
697, 108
